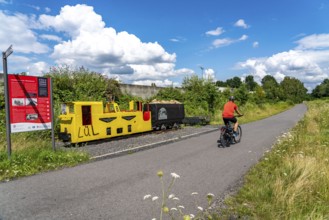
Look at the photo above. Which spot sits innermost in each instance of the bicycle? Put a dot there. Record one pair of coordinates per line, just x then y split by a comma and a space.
227, 136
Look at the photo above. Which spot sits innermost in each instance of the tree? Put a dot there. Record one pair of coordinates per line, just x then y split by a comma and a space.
321, 90
271, 88
200, 95
221, 83
170, 93
235, 82
250, 83
258, 96
242, 94
293, 89
81, 84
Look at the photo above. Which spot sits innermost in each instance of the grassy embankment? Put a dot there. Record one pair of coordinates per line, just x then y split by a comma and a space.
32, 153
252, 112
291, 181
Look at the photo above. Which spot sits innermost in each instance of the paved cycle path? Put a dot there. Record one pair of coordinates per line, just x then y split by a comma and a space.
114, 188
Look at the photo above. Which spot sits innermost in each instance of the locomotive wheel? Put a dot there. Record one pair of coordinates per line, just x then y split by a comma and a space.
163, 127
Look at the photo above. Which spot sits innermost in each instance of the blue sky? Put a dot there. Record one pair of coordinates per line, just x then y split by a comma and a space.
163, 41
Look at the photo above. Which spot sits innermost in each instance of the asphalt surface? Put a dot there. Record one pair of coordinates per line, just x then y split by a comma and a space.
114, 188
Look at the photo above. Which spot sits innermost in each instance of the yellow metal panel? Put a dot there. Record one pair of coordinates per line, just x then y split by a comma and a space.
104, 123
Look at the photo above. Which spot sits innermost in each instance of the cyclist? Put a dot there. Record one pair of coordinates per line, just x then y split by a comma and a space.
228, 114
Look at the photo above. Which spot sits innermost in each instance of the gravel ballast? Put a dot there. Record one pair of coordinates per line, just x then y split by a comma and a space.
133, 143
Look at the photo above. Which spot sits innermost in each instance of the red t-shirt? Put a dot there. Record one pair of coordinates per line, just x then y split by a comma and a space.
229, 109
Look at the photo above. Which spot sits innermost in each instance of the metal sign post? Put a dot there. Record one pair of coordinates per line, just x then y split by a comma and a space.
52, 116
5, 55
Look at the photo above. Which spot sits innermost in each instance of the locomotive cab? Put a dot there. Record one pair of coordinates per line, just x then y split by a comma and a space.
87, 121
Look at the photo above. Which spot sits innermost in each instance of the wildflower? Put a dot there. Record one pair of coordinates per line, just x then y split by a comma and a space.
181, 207
175, 175
173, 209
147, 196
194, 193
160, 173
210, 195
186, 217
171, 196
285, 174
154, 219
155, 198
176, 198
192, 216
200, 208
165, 209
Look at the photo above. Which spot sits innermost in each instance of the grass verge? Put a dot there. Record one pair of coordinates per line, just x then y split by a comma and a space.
33, 160
253, 112
292, 180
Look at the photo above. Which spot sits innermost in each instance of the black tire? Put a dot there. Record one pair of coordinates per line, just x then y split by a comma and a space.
225, 139
237, 139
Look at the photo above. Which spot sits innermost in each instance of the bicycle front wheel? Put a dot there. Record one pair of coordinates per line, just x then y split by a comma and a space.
238, 137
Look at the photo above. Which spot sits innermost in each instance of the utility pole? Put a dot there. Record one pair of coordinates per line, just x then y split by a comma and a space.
202, 70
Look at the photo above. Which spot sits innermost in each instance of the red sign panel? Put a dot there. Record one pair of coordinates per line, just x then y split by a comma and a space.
29, 102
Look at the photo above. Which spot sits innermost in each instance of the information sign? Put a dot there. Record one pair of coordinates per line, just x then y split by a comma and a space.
29, 102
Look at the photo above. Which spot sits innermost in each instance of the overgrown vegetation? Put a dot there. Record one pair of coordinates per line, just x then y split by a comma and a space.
291, 181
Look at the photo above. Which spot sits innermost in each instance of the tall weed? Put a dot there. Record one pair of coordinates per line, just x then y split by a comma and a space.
292, 181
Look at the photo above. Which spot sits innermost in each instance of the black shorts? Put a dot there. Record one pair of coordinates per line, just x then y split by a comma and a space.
227, 120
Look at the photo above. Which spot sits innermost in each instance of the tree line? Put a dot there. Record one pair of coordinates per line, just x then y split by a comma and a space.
200, 96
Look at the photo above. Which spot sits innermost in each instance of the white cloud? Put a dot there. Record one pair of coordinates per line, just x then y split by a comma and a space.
34, 7
315, 41
160, 83
222, 42
50, 37
38, 69
47, 10
255, 44
74, 20
92, 44
174, 40
15, 30
306, 62
241, 23
178, 39
227, 41
243, 37
218, 31
209, 74
16, 62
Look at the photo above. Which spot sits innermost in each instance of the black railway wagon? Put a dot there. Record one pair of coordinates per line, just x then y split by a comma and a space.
166, 115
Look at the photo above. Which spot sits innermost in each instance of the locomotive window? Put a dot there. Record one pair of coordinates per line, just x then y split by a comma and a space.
86, 115
71, 108
111, 108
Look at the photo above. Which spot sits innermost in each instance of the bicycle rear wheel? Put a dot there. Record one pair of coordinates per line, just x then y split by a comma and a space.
237, 138
225, 139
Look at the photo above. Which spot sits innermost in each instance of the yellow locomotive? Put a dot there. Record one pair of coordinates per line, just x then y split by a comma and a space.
88, 121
